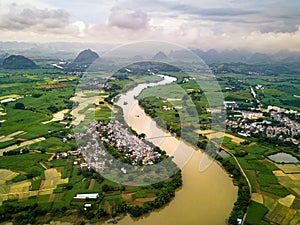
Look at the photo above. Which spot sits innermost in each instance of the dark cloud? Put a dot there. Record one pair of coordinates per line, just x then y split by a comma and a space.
264, 16
222, 12
128, 19
32, 18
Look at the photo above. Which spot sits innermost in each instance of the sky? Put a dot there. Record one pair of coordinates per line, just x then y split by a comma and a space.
266, 25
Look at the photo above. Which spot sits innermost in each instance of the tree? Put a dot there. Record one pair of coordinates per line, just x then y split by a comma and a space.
53, 109
106, 188
69, 186
90, 215
19, 105
102, 213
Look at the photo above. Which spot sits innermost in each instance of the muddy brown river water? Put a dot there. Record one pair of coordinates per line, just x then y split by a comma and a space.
206, 197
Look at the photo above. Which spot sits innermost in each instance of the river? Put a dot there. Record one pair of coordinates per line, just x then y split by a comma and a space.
206, 197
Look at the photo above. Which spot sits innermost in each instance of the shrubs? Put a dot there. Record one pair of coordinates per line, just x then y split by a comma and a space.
242, 203
19, 105
165, 195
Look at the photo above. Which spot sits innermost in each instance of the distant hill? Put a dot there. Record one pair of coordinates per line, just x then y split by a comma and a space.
138, 58
18, 62
242, 68
84, 59
160, 56
259, 58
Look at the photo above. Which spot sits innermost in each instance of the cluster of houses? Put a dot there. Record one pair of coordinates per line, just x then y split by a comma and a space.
90, 147
167, 108
293, 127
64, 155
68, 138
252, 115
284, 129
132, 146
74, 73
91, 140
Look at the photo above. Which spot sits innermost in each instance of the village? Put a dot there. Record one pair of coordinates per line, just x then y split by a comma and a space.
273, 122
132, 147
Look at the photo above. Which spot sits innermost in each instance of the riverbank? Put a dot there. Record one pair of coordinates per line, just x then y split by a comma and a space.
265, 187
206, 197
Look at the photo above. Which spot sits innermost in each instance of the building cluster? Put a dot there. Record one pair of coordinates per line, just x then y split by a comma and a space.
74, 73
90, 147
68, 137
293, 127
91, 140
230, 105
134, 148
287, 130
278, 124
168, 108
252, 115
64, 155
281, 110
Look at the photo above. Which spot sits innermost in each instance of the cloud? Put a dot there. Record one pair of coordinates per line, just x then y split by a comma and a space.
204, 24
222, 12
22, 18
128, 19
265, 16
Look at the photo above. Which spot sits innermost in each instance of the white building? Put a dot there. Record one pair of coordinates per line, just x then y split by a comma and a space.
87, 196
252, 115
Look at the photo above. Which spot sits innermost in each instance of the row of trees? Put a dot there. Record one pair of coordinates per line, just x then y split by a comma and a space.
21, 214
165, 195
243, 200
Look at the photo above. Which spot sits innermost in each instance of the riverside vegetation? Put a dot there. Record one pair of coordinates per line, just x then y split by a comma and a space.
38, 182
42, 189
270, 184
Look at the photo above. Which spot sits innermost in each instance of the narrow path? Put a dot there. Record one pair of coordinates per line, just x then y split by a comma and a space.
91, 186
52, 156
43, 165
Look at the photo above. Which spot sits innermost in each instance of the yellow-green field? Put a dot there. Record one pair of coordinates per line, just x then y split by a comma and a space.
84, 104
24, 143
281, 214
284, 210
6, 175
20, 187
9, 96
210, 134
11, 136
53, 178
290, 176
57, 116
21, 190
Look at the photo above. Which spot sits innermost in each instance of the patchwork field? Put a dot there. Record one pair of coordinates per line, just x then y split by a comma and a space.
22, 144
275, 187
11, 136
84, 105
290, 176
210, 134
6, 175
52, 179
57, 116
22, 189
